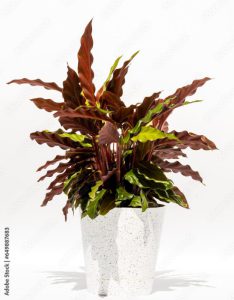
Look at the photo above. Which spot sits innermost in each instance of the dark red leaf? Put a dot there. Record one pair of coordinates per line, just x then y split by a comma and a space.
57, 190
85, 60
66, 208
51, 162
79, 124
53, 139
47, 104
83, 112
118, 79
37, 82
176, 167
72, 90
59, 169
142, 109
108, 134
124, 114
183, 198
188, 90
169, 153
111, 101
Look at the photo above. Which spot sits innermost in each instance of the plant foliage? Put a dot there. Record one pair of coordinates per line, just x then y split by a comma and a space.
115, 156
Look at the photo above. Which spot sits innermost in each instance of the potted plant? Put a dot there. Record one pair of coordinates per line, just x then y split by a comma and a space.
114, 169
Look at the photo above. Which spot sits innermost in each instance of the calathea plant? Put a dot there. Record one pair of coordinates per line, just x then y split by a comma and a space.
115, 155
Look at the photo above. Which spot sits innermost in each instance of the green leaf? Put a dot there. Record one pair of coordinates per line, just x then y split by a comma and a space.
113, 67
76, 138
144, 202
153, 173
122, 194
149, 133
136, 201
190, 102
131, 177
147, 118
94, 189
93, 203
68, 182
94, 199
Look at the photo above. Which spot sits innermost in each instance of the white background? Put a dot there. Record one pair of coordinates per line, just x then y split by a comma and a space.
179, 41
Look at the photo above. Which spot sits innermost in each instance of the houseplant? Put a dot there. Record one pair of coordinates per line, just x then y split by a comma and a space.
114, 168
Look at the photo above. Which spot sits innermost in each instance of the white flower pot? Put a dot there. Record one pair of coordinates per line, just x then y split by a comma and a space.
120, 250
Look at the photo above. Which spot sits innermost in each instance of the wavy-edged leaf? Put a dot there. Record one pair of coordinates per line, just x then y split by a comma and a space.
66, 209
118, 79
122, 195
159, 105
188, 90
62, 177
85, 60
78, 124
72, 90
132, 178
59, 169
83, 112
154, 173
79, 138
94, 197
169, 153
149, 133
144, 107
112, 69
47, 104
51, 162
111, 101
182, 199
37, 82
176, 167
108, 134
53, 139
57, 190
189, 139
124, 114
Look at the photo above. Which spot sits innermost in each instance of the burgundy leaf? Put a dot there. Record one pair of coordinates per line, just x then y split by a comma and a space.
47, 104
37, 82
57, 190
59, 169
111, 100
78, 124
118, 79
66, 208
188, 139
176, 167
53, 139
72, 90
177, 99
51, 162
83, 112
108, 134
85, 60
169, 153
124, 114
188, 90
183, 198
143, 108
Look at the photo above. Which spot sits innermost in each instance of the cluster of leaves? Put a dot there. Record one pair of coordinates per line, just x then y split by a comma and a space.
115, 156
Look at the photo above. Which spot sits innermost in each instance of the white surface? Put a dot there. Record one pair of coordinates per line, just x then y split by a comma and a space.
120, 251
180, 40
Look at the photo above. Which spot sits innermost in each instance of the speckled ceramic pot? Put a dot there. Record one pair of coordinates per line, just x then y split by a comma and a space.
120, 250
